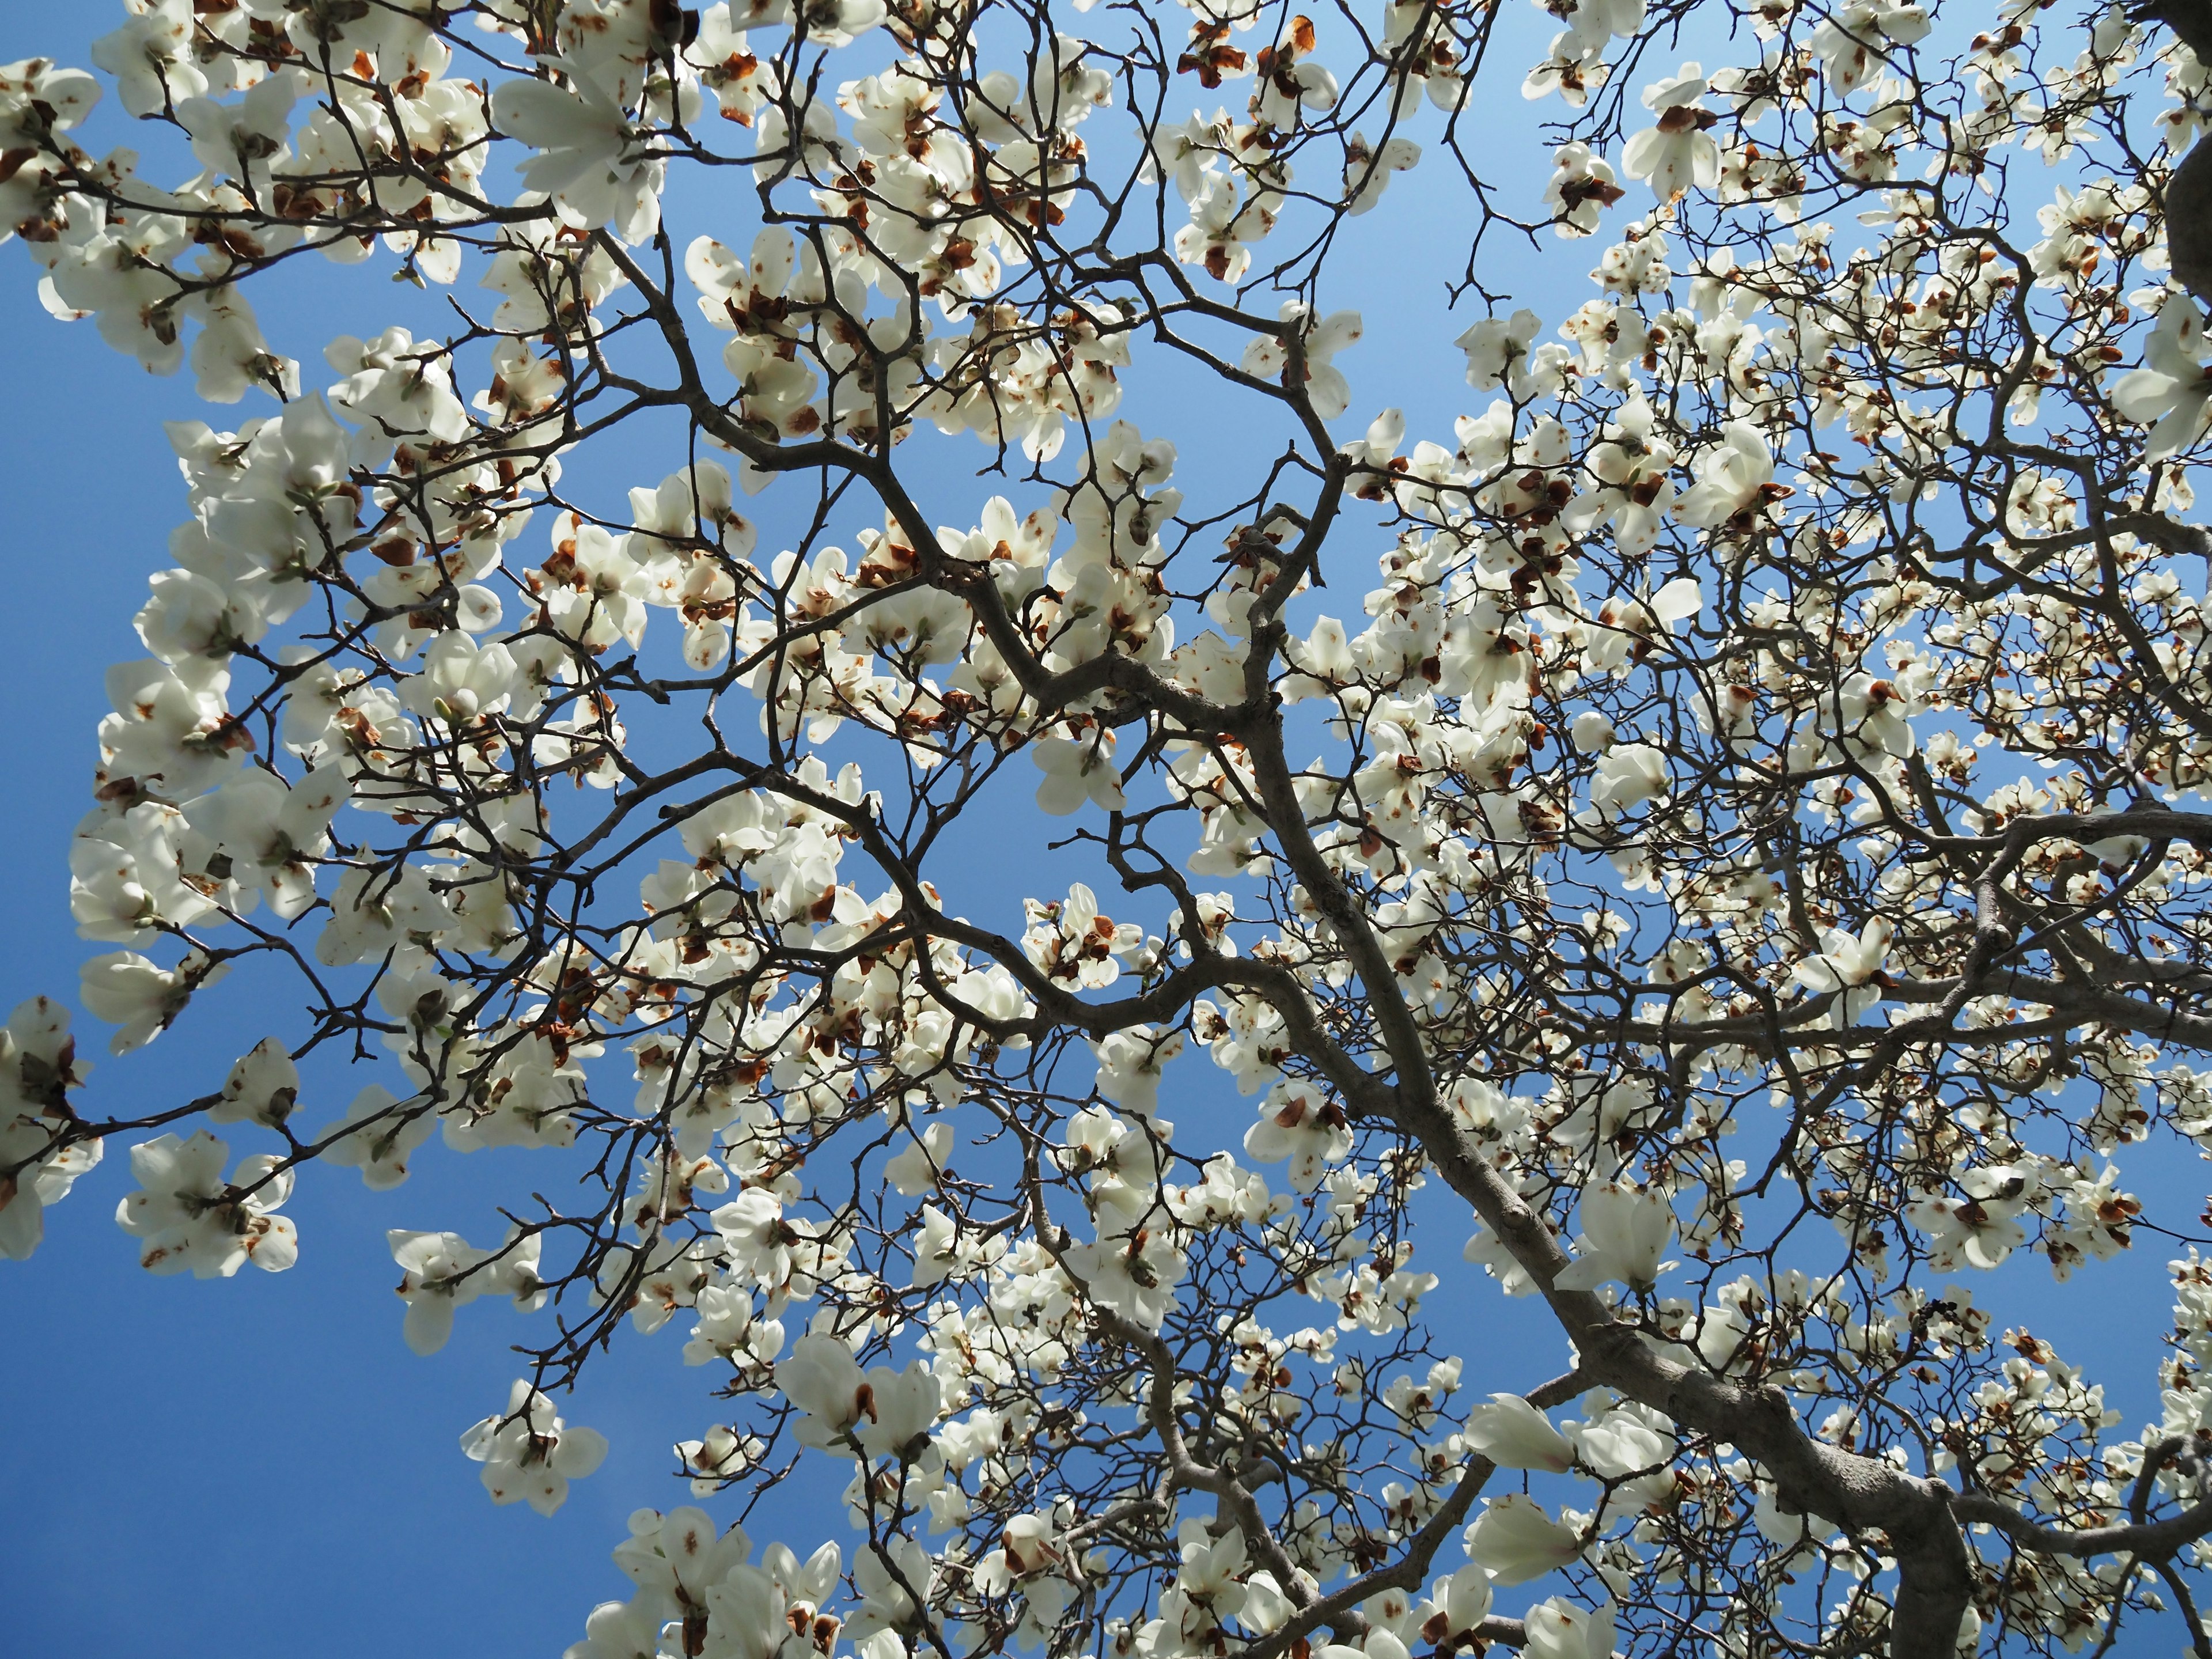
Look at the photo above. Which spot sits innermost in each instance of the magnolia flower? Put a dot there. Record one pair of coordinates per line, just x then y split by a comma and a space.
1514, 1435
1791, 1530
772, 1614
1462, 1601
1133, 1267
719, 1456
1514, 1541
244, 140
1848, 965
945, 1250
461, 681
1633, 462
1678, 154
728, 1328
1293, 80
1624, 628
1130, 1065
882, 1573
1207, 1588
1367, 168
396, 385
37, 1067
2172, 392
1268, 357
1185, 151
2098, 1218
190, 615
830, 23
1591, 731
1560, 1630
678, 1557
1625, 1229
738, 78
440, 1272
1028, 1560
124, 876
264, 1088
914, 1171
1496, 346
1078, 771
271, 833
1852, 41
619, 1629
151, 56
1874, 716
1300, 1121
1625, 1440
589, 161
379, 1133
1602, 21
1981, 1229
530, 1455
1735, 477
126, 989
1627, 774
1224, 226
190, 1217
881, 1413
757, 1238
1580, 189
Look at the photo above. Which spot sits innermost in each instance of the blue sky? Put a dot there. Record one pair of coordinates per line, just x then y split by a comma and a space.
258, 1467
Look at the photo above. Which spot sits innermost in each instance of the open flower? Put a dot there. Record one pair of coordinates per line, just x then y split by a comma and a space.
2172, 392
1980, 1228
191, 1217
1848, 966
263, 1087
1626, 629
1514, 1541
1462, 1602
246, 139
1735, 477
1853, 41
1368, 167
151, 56
442, 1271
877, 1413
1495, 347
1268, 357
47, 1180
129, 990
1678, 154
1134, 1267
1560, 1630
1076, 771
1580, 189
530, 1455
1625, 1229
881, 1575
1622, 1441
379, 1135
589, 161
1514, 1435
1627, 774
1300, 1121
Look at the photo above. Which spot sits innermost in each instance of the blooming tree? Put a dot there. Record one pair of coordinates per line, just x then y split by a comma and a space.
1743, 860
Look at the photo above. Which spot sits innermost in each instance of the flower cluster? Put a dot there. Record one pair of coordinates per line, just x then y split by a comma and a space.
1742, 854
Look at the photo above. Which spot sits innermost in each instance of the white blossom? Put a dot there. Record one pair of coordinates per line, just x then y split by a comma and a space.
529, 1454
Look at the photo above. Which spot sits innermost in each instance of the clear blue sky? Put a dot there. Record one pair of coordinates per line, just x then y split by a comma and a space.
257, 1468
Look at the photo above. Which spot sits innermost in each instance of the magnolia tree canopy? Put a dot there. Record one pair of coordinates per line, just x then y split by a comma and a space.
1716, 837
